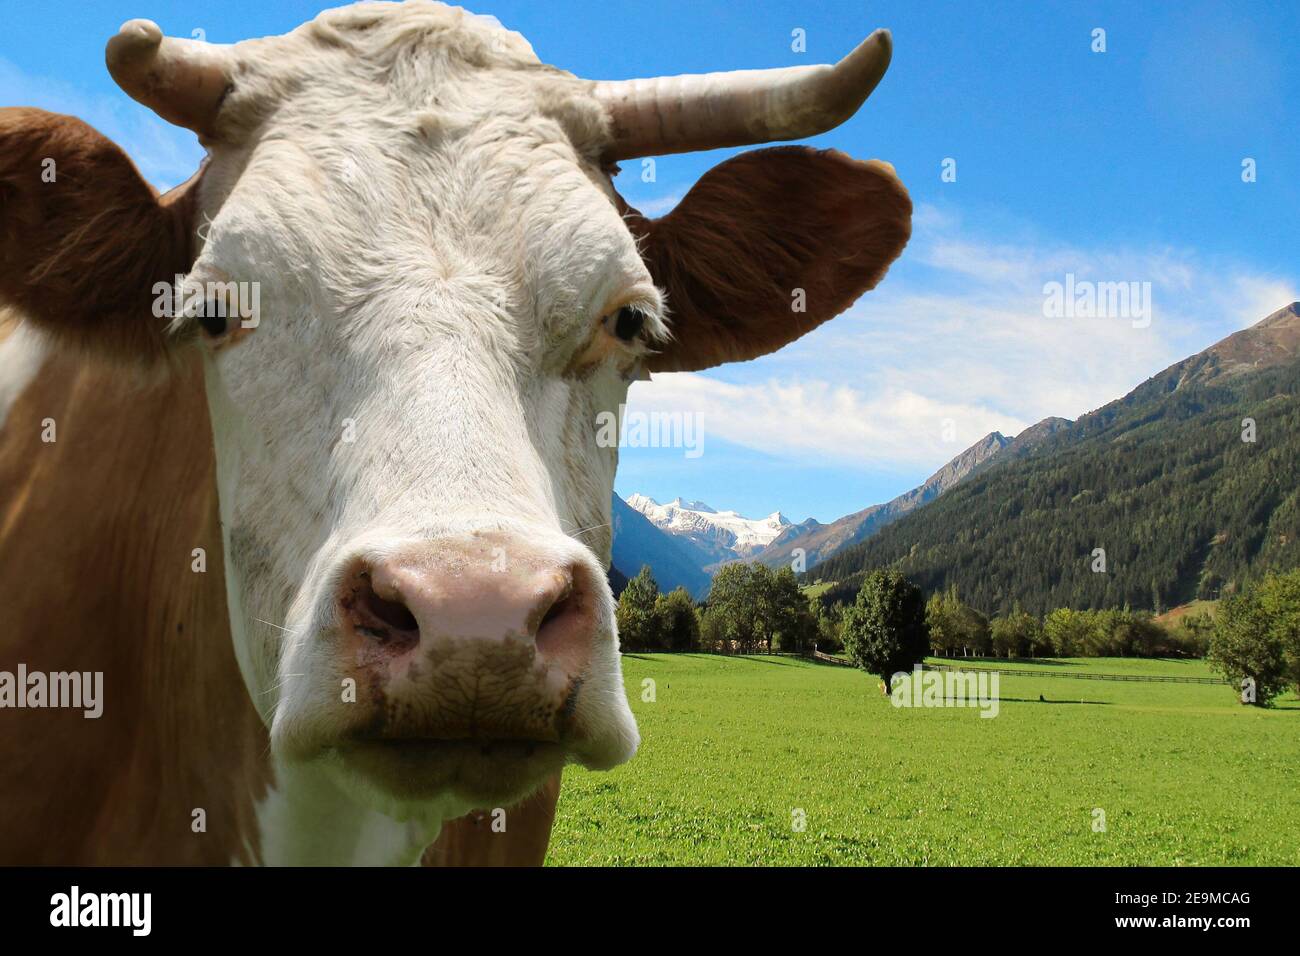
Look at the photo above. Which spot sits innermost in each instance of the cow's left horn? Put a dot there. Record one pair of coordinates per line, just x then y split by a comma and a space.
183, 81
678, 114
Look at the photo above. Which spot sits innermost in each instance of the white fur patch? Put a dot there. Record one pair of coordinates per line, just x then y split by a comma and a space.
22, 354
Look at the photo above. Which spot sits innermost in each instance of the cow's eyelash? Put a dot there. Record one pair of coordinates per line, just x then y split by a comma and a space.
629, 327
627, 324
636, 326
638, 348
210, 305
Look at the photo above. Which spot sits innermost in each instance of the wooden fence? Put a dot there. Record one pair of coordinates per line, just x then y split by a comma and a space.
828, 659
1144, 678
1013, 671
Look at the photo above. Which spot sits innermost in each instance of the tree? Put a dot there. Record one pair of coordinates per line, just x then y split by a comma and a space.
750, 606
1003, 635
1144, 636
829, 621
1067, 631
638, 625
945, 638
713, 632
1257, 636
678, 622
792, 619
1279, 598
1017, 634
1036, 639
1190, 635
731, 608
760, 593
884, 629
1099, 641
974, 627
955, 627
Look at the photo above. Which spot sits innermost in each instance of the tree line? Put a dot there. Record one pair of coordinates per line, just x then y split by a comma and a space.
958, 630
1254, 641
750, 608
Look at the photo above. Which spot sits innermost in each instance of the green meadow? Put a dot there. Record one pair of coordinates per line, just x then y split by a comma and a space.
738, 752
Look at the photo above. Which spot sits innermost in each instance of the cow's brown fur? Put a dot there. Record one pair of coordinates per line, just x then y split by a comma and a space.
97, 529
80, 255
475, 841
755, 229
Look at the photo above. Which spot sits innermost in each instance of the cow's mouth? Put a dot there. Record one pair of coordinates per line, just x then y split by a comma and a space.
483, 771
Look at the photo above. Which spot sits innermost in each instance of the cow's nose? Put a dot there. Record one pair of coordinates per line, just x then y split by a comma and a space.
452, 593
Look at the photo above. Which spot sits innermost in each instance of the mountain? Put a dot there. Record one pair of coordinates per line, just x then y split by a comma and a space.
1190, 484
1273, 341
637, 542
1025, 442
820, 541
717, 535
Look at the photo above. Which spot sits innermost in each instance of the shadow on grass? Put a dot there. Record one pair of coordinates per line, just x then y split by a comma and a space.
755, 660
1042, 700
1291, 704
687, 655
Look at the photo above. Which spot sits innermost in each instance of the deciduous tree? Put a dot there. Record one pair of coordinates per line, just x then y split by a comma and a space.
884, 630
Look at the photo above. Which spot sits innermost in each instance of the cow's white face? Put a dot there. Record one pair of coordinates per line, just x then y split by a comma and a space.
440, 267
448, 294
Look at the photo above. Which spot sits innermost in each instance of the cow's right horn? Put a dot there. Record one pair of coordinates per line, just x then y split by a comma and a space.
183, 81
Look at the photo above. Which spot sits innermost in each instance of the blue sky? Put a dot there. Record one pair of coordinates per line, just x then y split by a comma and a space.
1123, 165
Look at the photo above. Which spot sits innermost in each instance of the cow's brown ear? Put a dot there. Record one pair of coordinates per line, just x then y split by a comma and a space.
83, 238
766, 247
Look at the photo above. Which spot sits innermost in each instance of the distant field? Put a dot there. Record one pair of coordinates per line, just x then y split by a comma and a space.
1195, 607
818, 589
733, 747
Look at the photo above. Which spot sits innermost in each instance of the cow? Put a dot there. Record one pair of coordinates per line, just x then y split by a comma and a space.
339, 546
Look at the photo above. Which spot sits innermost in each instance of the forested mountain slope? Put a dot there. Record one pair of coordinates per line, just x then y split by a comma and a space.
1161, 479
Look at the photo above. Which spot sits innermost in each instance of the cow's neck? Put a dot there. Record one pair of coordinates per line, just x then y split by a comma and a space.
106, 493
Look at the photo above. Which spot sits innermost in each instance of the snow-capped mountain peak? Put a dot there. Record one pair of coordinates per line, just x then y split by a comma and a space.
722, 535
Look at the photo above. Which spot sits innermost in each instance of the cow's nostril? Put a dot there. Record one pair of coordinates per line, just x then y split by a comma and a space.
393, 613
565, 605
378, 617
563, 635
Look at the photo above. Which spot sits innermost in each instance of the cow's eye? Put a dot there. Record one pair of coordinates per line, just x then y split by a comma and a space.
213, 319
626, 323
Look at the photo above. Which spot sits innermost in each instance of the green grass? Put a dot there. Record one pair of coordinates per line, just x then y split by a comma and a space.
818, 589
1198, 606
732, 747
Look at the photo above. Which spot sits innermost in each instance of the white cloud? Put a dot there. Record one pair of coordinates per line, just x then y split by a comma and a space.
959, 332
813, 421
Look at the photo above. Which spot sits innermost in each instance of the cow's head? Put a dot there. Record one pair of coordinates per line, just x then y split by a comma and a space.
441, 291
